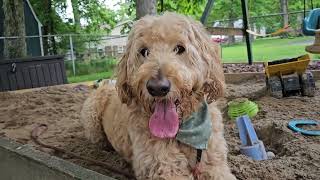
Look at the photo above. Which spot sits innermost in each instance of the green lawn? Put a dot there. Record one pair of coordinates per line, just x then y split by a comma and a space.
267, 49
90, 77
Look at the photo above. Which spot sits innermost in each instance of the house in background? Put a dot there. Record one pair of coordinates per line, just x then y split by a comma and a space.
115, 44
237, 24
33, 28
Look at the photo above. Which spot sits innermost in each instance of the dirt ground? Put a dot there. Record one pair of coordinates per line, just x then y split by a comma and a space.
296, 156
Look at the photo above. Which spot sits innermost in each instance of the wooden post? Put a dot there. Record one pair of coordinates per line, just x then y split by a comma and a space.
72, 55
245, 27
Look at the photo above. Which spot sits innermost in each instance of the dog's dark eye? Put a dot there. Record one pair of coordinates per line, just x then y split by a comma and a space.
179, 49
144, 52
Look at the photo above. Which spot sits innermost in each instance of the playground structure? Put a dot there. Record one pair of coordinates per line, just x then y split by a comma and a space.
311, 27
231, 31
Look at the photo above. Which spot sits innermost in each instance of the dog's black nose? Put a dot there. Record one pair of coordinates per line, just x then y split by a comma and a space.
158, 87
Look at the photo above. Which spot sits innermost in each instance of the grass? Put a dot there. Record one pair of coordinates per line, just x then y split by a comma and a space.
267, 49
90, 77
91, 67
91, 70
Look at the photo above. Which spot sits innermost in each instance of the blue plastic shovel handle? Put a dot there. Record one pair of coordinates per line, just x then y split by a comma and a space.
247, 133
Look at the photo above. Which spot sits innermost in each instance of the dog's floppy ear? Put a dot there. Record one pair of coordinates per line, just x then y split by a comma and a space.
209, 51
123, 73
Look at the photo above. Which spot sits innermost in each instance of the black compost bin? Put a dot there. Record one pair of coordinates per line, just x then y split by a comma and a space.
32, 72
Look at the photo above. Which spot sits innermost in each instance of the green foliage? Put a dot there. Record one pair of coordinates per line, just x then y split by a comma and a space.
192, 8
97, 18
127, 11
223, 8
90, 77
57, 14
90, 67
93, 14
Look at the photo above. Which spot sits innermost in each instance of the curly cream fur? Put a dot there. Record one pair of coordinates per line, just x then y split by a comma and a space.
123, 111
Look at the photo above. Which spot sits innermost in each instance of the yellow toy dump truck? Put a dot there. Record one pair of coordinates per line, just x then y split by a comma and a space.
288, 77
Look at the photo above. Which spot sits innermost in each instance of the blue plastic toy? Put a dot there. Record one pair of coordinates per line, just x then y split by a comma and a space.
310, 23
293, 126
251, 146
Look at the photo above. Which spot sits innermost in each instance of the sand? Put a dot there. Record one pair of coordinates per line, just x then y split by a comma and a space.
296, 156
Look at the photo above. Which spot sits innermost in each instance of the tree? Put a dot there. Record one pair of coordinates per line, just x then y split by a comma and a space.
14, 25
232, 14
284, 10
146, 7
50, 20
96, 17
52, 13
129, 9
76, 15
192, 8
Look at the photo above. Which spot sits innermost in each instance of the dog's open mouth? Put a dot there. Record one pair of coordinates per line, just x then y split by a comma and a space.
164, 122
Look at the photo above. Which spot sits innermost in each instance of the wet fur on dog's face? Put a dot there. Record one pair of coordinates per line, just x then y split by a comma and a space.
176, 48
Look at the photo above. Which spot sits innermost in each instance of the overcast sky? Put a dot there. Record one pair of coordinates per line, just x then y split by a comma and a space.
111, 4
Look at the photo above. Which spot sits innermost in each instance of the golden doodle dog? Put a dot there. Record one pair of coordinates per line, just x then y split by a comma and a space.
161, 115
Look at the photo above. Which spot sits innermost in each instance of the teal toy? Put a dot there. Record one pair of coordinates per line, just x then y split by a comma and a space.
311, 27
310, 23
294, 123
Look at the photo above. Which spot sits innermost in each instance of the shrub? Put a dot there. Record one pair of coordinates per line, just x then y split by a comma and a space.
89, 67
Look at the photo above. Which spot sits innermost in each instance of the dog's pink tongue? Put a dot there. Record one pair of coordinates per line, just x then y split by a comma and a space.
164, 122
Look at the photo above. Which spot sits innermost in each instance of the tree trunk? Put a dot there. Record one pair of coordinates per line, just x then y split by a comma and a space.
231, 38
146, 7
299, 21
14, 25
48, 29
76, 14
45, 27
284, 10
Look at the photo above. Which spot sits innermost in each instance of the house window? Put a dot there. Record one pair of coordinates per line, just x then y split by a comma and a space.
120, 49
114, 50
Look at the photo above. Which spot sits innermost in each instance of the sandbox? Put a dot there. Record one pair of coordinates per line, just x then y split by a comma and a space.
24, 162
296, 156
